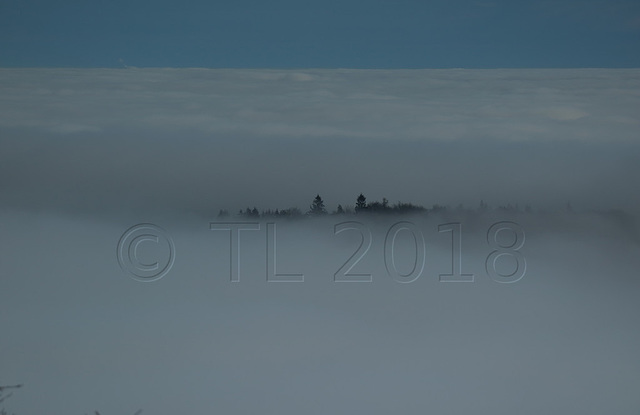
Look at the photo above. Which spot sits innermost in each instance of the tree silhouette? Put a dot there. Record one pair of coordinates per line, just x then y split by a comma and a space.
361, 203
292, 212
403, 208
378, 207
4, 395
317, 207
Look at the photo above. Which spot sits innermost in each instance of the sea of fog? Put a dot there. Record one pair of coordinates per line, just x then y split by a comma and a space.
83, 332
122, 288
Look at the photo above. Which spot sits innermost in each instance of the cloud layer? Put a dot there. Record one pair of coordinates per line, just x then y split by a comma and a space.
86, 154
200, 140
520, 105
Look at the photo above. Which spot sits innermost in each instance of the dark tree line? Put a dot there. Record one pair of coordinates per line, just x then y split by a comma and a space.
4, 395
318, 208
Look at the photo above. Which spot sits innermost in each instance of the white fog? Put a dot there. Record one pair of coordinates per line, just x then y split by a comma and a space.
86, 154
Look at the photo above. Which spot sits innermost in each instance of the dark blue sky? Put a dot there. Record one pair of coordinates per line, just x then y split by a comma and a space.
328, 34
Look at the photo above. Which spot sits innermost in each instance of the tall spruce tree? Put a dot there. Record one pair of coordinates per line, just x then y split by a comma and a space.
317, 207
361, 203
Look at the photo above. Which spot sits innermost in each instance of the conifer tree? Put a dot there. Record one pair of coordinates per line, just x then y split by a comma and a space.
317, 207
361, 203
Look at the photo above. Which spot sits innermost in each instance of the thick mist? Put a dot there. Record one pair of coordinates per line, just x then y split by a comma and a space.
123, 288
82, 333
197, 140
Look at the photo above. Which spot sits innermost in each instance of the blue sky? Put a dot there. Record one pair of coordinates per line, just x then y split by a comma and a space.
327, 34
